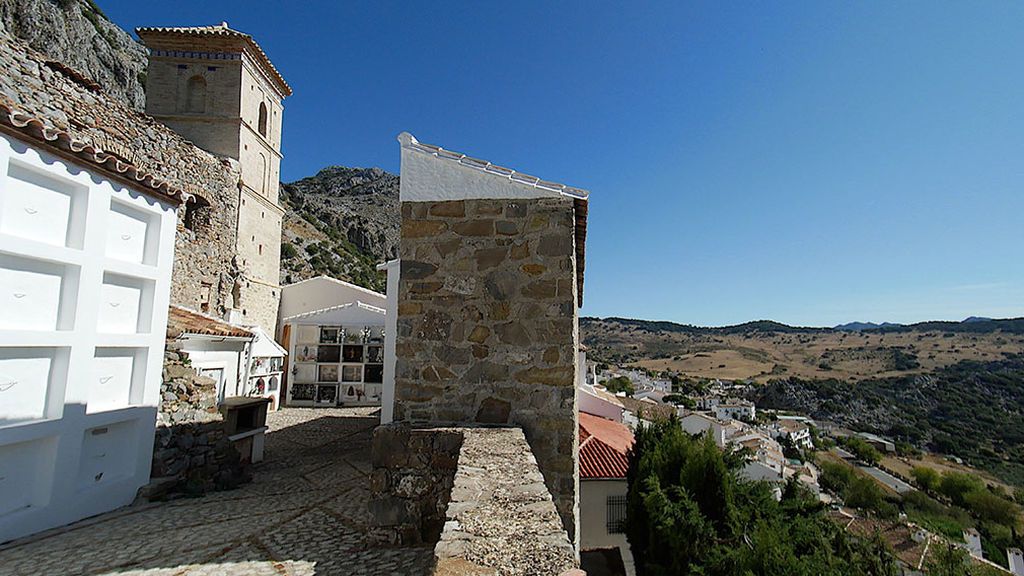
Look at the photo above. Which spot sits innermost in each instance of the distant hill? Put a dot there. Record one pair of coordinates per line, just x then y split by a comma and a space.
859, 326
764, 349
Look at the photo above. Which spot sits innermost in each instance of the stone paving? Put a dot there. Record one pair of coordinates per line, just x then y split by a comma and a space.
304, 514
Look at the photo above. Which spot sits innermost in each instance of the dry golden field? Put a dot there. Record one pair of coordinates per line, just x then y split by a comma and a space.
807, 354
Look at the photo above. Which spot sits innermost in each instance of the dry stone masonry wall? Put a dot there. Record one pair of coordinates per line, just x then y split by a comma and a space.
487, 324
191, 453
412, 476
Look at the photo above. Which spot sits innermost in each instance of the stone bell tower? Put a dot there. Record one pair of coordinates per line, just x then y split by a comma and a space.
216, 87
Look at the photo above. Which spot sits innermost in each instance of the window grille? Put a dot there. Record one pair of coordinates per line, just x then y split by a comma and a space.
616, 513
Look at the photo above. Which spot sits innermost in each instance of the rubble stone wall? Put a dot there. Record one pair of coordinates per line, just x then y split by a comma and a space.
205, 263
476, 494
191, 453
413, 472
487, 325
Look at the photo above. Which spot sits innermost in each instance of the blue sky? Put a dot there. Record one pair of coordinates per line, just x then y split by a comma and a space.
808, 162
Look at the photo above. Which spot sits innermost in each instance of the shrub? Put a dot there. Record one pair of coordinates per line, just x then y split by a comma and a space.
926, 478
288, 251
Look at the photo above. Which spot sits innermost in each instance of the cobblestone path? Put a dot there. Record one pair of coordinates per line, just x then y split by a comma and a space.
304, 513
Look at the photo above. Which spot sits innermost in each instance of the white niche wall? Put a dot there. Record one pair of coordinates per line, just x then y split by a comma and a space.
85, 267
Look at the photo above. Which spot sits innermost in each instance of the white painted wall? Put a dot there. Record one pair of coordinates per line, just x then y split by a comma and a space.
591, 403
1015, 559
594, 521
387, 400
323, 292
85, 268
696, 424
227, 354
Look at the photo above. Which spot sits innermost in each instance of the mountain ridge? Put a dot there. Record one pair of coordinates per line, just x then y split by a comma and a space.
970, 324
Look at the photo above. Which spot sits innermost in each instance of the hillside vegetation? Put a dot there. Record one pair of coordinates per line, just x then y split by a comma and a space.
973, 410
341, 222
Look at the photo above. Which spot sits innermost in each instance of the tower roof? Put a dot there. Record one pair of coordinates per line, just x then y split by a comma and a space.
161, 37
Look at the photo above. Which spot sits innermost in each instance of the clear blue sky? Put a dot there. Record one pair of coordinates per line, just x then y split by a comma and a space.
808, 162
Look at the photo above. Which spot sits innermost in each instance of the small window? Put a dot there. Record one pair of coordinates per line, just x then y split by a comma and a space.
197, 214
263, 118
616, 523
195, 99
205, 292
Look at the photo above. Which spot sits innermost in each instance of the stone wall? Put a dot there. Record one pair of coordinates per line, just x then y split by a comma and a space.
191, 453
205, 257
413, 472
487, 325
476, 494
500, 518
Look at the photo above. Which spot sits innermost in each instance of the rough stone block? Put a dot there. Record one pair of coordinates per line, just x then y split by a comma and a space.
474, 228
454, 208
493, 411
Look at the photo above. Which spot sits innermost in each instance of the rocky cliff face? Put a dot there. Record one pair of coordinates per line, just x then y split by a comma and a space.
342, 223
77, 33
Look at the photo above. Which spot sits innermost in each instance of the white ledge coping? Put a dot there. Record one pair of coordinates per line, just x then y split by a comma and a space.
409, 142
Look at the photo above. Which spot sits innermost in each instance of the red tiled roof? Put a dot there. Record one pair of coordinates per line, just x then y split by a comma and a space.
184, 321
603, 447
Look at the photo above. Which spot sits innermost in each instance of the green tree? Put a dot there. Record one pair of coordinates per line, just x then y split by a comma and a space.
288, 251
689, 512
863, 492
990, 507
926, 478
957, 485
619, 384
948, 560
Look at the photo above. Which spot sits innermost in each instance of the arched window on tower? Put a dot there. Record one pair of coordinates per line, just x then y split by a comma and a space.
263, 118
264, 180
195, 98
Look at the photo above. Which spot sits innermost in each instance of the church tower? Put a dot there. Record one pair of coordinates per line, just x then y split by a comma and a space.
216, 87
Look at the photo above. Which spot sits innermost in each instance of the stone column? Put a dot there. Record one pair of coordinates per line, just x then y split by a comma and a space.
487, 327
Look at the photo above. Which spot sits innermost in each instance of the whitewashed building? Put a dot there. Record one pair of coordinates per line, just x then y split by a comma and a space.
334, 334
216, 349
266, 367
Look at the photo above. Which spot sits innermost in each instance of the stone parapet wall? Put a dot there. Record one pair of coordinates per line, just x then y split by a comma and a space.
487, 327
412, 476
476, 494
191, 453
500, 517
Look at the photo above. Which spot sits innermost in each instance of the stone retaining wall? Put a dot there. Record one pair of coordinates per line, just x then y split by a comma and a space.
191, 453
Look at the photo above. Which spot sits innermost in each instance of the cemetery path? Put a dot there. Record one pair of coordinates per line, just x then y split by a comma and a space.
304, 514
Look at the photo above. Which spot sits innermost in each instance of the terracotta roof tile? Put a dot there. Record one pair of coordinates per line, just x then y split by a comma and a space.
604, 445
51, 104
182, 321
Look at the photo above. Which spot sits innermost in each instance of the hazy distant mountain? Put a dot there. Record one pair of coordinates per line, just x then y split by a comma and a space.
976, 319
859, 326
